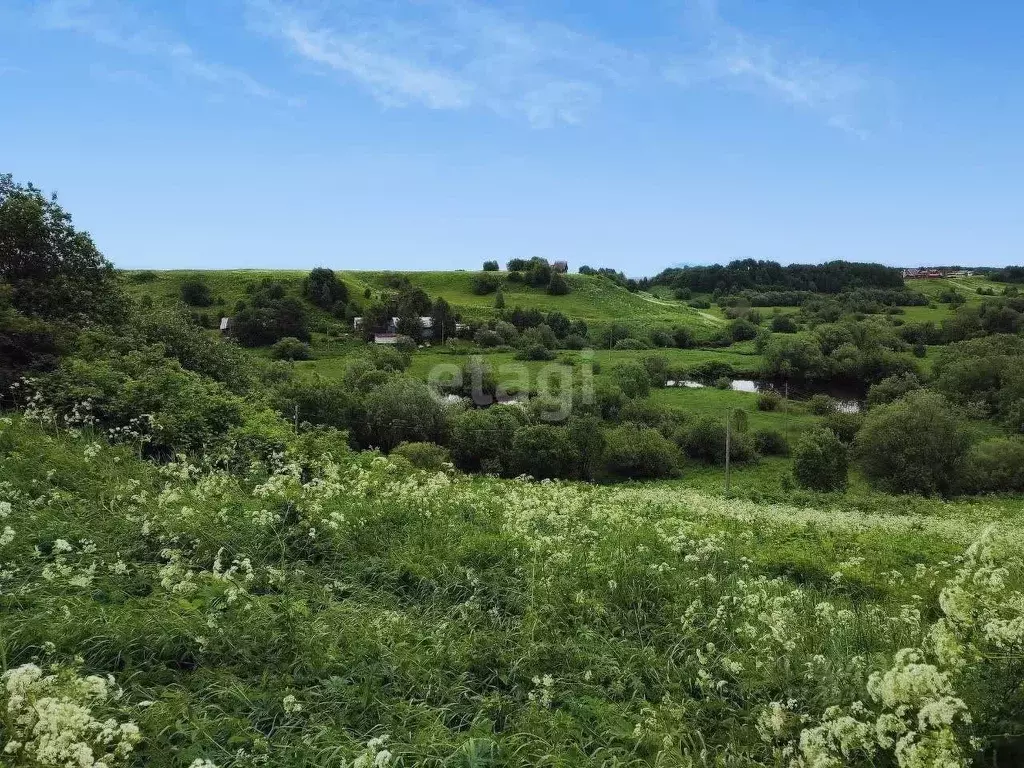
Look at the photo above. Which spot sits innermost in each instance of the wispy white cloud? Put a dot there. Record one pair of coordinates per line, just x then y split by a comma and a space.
119, 25
731, 56
451, 54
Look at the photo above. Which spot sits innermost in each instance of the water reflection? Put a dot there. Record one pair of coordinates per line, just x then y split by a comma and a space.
847, 399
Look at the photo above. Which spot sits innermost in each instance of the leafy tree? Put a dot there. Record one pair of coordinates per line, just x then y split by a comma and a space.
290, 348
558, 285
444, 320
892, 388
742, 330
632, 377
499, 299
484, 283
783, 323
323, 288
481, 439
55, 271
318, 401
820, 461
636, 452
794, 356
543, 451
770, 442
845, 425
402, 410
586, 434
914, 445
426, 456
996, 466
490, 266
705, 440
195, 292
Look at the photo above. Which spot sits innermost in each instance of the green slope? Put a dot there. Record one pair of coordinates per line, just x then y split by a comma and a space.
594, 299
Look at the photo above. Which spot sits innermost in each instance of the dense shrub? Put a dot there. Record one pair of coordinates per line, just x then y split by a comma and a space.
320, 402
323, 288
149, 395
770, 442
630, 344
558, 285
794, 356
542, 451
705, 440
270, 315
914, 445
290, 348
845, 425
195, 292
892, 388
402, 410
485, 283
481, 439
632, 377
821, 405
487, 338
769, 400
427, 456
995, 466
742, 330
490, 266
820, 461
535, 352
784, 323
635, 452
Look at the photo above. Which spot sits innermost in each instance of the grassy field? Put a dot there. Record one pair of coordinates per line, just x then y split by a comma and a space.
358, 613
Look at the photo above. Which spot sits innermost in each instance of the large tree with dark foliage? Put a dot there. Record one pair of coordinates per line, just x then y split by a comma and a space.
323, 288
54, 271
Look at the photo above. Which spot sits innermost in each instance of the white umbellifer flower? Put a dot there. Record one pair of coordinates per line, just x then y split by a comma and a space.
7, 536
61, 545
291, 704
53, 722
202, 763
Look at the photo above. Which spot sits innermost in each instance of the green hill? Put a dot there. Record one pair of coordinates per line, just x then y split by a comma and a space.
594, 299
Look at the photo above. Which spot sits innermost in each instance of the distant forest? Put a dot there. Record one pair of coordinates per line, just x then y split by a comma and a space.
832, 277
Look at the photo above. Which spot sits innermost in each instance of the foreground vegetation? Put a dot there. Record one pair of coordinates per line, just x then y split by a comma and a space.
441, 620
205, 563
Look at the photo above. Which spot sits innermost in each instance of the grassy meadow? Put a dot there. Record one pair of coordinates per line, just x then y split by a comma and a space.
346, 610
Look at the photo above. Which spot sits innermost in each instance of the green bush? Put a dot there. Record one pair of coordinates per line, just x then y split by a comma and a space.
535, 352
491, 266
558, 285
892, 388
427, 456
487, 338
769, 400
485, 283
634, 452
321, 402
195, 292
290, 348
402, 410
784, 323
323, 288
996, 466
821, 405
845, 425
705, 440
480, 439
770, 442
820, 461
916, 444
630, 344
543, 451
632, 378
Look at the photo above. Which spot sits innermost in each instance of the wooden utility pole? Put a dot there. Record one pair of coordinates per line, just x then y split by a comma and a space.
728, 446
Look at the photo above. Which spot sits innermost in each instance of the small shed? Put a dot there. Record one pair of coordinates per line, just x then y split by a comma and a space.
225, 324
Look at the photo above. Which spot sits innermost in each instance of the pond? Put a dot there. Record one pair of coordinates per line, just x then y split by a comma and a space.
849, 399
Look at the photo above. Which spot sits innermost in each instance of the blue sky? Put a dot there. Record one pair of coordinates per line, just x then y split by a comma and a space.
436, 134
